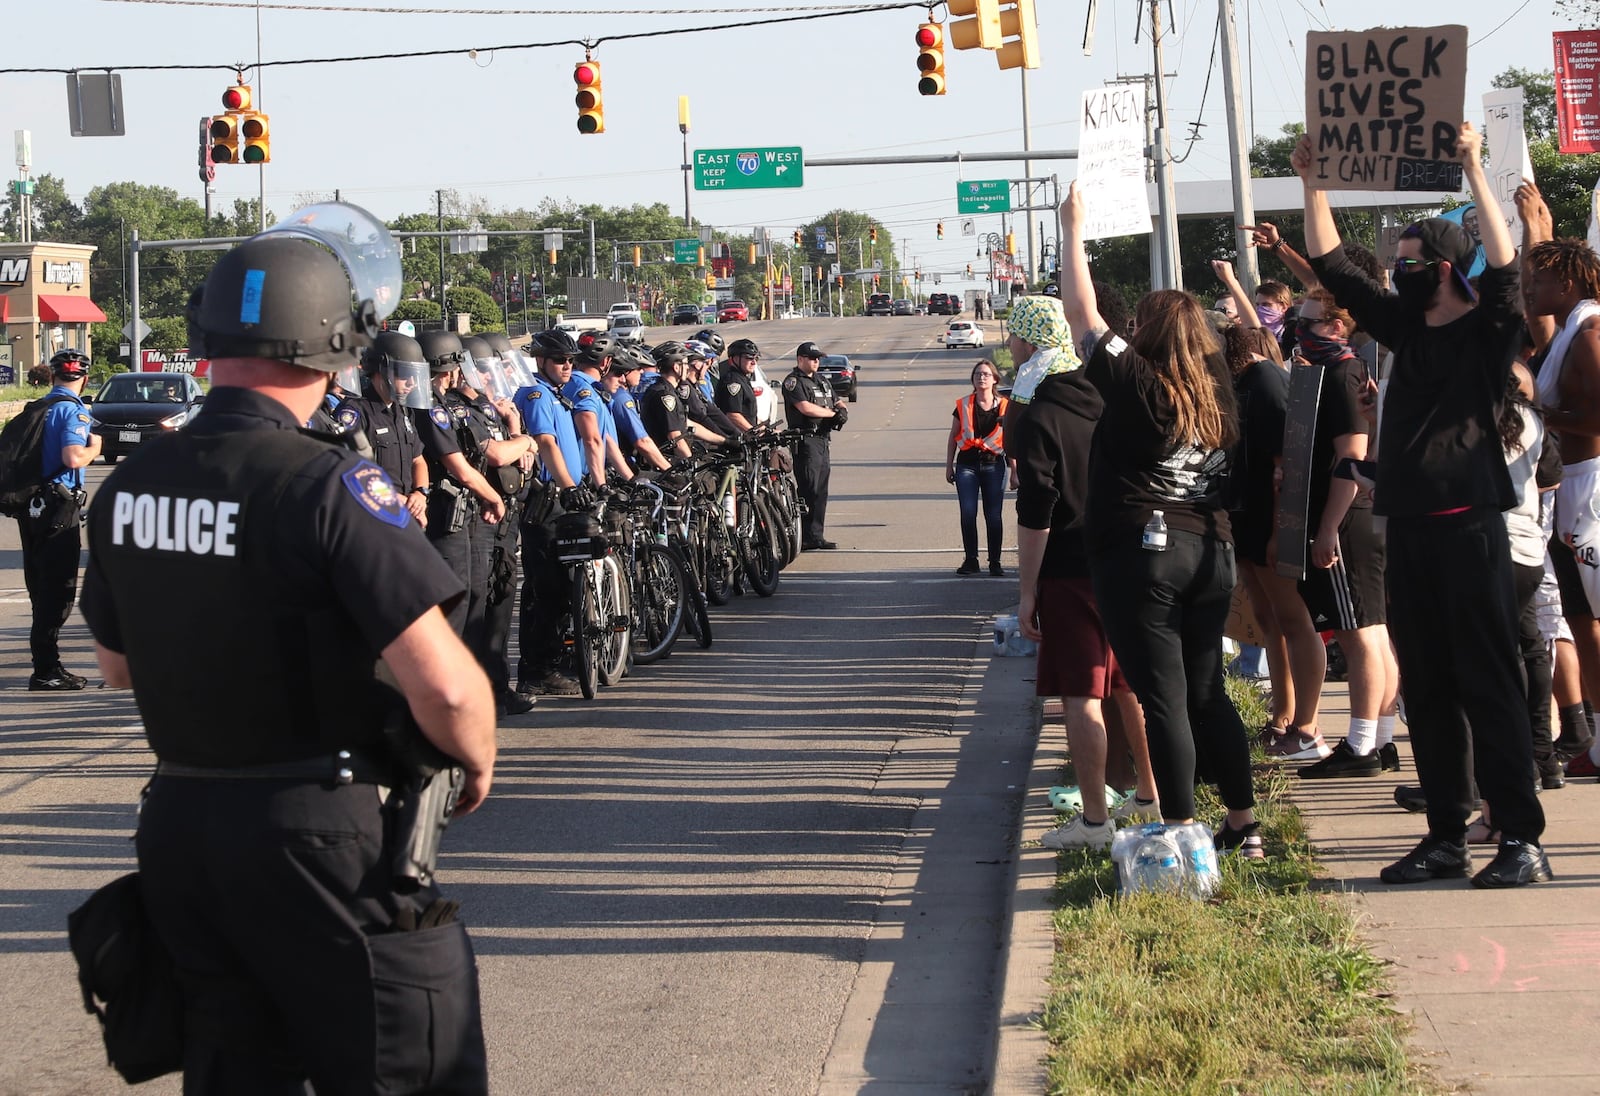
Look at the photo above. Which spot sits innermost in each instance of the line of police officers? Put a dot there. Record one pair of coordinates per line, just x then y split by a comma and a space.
365, 598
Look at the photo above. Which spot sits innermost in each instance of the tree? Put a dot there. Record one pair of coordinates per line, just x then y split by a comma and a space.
486, 315
55, 217
417, 311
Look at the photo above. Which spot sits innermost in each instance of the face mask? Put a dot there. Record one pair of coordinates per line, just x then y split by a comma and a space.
1320, 348
1416, 289
1271, 318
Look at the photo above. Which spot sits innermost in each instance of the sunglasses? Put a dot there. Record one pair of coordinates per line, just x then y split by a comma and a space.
1411, 266
558, 359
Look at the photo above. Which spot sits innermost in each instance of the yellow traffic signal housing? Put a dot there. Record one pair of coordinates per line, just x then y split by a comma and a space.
225, 139
238, 99
982, 31
253, 128
752, 254
638, 256
553, 256
591, 111
839, 281
930, 58
872, 233
1011, 243
711, 281
1021, 28
938, 230
797, 237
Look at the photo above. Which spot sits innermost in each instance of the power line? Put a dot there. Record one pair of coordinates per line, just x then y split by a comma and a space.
369, 10
586, 44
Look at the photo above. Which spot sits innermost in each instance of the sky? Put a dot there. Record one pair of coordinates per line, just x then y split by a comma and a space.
501, 126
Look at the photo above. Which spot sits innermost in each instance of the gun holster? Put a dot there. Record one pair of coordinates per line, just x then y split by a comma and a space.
419, 813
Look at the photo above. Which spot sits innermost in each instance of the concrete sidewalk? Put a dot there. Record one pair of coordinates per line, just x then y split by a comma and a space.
1503, 986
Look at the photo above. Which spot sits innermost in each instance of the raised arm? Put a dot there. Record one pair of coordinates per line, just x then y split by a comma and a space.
1077, 287
1537, 227
1241, 300
1498, 250
1322, 236
1266, 237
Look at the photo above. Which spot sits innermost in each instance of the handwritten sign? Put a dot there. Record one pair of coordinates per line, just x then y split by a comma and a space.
1383, 107
1294, 494
1505, 134
1111, 162
1578, 90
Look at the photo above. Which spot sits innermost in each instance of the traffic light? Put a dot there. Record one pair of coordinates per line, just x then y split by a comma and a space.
591, 111
257, 140
980, 32
819, 273
797, 237
930, 58
752, 253
552, 256
1011, 243
238, 99
938, 230
638, 255
711, 281
969, 270
872, 233
1021, 29
839, 281
225, 139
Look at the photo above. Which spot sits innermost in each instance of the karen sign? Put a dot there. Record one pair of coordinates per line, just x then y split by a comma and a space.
1383, 107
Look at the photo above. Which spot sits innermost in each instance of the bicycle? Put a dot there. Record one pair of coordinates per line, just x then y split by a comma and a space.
597, 611
661, 596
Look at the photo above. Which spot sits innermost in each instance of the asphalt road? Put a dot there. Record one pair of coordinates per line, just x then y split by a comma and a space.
776, 866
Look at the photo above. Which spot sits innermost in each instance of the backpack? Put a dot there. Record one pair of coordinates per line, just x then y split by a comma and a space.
22, 456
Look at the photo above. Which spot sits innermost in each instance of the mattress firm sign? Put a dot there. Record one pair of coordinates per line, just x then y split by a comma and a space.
63, 273
1383, 107
172, 361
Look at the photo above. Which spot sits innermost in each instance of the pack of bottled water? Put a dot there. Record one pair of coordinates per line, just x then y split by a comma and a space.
1009, 642
1166, 859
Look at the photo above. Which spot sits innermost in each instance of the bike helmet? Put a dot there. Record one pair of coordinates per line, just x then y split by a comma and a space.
602, 347
553, 344
744, 348
668, 352
70, 363
442, 349
699, 349
710, 338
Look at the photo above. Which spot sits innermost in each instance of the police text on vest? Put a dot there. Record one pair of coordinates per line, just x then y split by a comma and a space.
198, 526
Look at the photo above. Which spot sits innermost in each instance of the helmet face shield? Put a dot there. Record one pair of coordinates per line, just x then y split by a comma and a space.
348, 377
362, 244
408, 384
485, 375
518, 368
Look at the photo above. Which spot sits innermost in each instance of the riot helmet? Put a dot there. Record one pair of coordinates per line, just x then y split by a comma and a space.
442, 349
481, 369
404, 367
70, 364
519, 374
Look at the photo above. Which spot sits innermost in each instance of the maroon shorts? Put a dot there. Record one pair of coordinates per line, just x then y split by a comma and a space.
1075, 656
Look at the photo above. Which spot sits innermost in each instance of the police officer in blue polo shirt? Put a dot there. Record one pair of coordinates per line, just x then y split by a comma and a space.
547, 417
597, 430
51, 539
616, 386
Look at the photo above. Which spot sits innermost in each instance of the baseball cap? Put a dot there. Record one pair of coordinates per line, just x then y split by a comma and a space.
1445, 239
809, 350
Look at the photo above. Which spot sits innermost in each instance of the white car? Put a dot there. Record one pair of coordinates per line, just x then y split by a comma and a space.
623, 308
963, 333
627, 328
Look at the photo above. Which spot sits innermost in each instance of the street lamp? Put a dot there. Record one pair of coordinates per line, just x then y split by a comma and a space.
683, 128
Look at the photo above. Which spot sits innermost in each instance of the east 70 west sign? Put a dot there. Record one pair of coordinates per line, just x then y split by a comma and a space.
748, 168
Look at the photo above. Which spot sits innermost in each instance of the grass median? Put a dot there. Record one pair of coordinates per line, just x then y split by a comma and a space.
1265, 988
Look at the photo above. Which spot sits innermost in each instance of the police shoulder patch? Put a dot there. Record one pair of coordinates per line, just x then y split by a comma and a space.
734, 388
347, 417
84, 418
788, 384
371, 487
536, 394
669, 402
585, 393
440, 417
629, 404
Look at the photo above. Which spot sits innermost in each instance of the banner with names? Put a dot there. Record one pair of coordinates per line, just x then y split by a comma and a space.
1578, 90
1111, 162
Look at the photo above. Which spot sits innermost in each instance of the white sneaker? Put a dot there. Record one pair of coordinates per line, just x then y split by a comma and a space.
1078, 834
1132, 810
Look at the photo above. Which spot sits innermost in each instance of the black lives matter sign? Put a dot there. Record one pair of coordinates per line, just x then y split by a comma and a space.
1383, 107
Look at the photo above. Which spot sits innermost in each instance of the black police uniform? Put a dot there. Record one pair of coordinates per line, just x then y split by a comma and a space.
271, 886
811, 461
455, 525
663, 413
500, 583
734, 394
705, 413
390, 432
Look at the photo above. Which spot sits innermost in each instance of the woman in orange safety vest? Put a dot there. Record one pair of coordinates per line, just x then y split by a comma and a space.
976, 464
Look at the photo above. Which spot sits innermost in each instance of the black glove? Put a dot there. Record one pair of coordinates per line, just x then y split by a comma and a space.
840, 417
576, 497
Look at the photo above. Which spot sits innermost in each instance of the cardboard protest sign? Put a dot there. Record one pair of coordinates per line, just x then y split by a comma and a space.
1111, 162
1578, 90
1383, 107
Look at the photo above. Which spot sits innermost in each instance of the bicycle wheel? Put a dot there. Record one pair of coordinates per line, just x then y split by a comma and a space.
763, 561
719, 560
585, 631
615, 622
697, 620
661, 588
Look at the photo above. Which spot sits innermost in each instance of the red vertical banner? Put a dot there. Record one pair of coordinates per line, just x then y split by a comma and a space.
1578, 90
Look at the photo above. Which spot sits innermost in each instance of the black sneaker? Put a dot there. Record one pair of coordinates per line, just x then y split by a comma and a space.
56, 681
1343, 761
1431, 859
556, 683
1517, 864
1551, 777
510, 703
1567, 747
968, 567
1409, 797
996, 570
1389, 755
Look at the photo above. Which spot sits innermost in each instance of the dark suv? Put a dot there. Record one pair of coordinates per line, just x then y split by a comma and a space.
880, 304
944, 304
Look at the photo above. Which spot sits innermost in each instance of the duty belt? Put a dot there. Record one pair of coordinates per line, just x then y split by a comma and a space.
343, 767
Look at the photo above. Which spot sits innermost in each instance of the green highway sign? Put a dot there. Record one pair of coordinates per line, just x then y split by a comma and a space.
686, 252
748, 168
983, 196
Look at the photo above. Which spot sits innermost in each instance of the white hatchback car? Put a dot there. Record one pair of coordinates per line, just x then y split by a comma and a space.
963, 333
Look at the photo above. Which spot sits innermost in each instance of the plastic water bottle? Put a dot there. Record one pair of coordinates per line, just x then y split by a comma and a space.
1200, 859
1158, 864
730, 510
1155, 532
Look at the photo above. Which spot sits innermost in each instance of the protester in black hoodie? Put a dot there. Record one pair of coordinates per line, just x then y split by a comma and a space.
1058, 608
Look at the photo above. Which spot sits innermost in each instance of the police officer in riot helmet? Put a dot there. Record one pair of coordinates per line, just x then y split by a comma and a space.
315, 650
810, 407
735, 393
395, 376
462, 501
507, 459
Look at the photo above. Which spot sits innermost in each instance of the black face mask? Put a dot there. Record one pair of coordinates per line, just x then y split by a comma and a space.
1416, 290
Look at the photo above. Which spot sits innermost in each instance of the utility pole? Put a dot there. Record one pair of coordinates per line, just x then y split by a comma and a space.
683, 128
1167, 201
1244, 205
1027, 173
444, 312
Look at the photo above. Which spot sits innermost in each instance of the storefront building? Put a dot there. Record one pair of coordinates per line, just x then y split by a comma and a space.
45, 304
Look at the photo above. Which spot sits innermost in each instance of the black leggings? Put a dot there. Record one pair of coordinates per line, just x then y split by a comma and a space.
1535, 659
1164, 613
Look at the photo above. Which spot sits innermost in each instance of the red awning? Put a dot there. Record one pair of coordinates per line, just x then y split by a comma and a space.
59, 308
